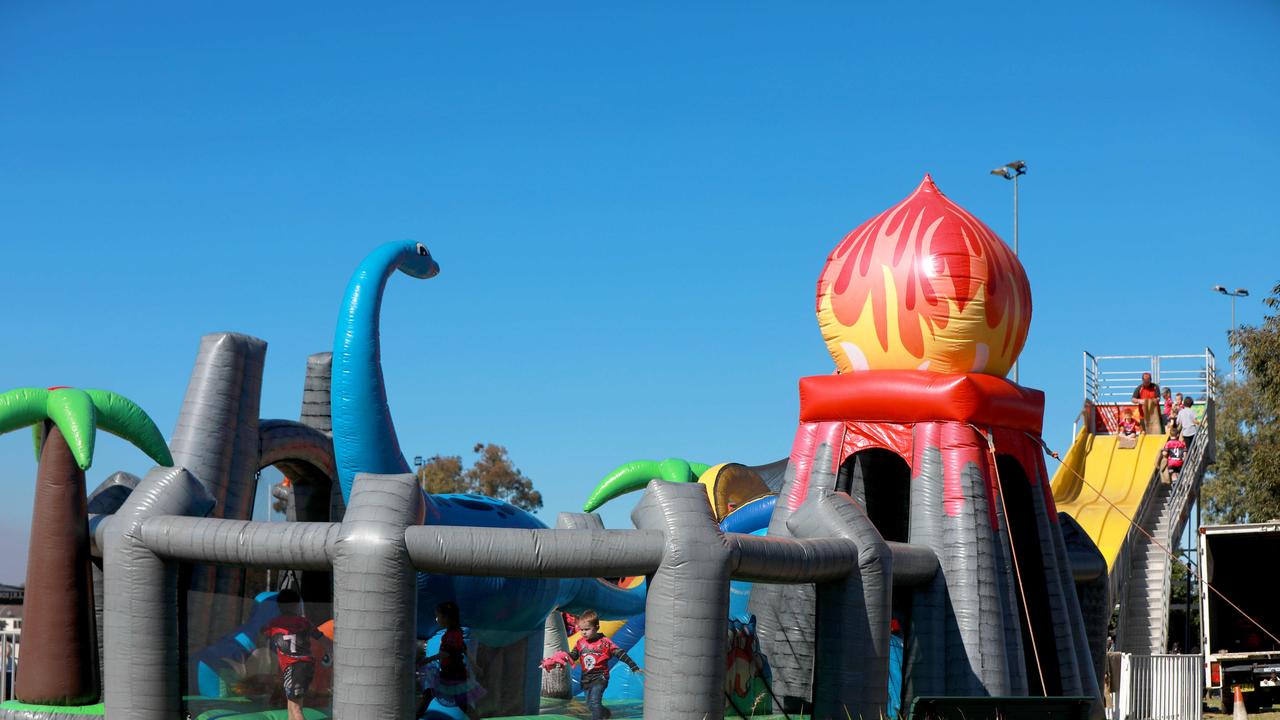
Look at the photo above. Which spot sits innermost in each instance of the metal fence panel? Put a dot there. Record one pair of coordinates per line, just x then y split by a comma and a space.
1160, 687
8, 663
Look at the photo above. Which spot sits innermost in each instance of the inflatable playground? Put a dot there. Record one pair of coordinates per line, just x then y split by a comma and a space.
909, 553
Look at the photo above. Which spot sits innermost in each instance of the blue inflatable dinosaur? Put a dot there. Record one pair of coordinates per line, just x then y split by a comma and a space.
498, 610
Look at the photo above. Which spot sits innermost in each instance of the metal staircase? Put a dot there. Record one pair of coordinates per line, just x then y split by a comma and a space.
1140, 576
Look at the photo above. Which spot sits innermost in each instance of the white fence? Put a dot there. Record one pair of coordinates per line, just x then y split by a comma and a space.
8, 663
1158, 687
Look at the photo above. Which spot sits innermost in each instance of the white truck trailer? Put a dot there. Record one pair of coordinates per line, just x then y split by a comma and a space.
1243, 563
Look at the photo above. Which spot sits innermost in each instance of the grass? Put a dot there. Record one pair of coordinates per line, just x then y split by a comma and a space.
1214, 712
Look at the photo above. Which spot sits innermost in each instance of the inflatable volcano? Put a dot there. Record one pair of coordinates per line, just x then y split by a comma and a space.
924, 309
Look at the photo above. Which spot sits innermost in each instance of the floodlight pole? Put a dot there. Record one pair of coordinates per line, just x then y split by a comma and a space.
1013, 171
1237, 293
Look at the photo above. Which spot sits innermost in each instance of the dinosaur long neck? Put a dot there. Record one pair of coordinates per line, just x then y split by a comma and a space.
364, 437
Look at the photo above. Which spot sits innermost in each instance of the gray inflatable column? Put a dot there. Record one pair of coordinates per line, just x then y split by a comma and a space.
1077, 667
316, 413
216, 438
375, 601
315, 393
687, 607
782, 614
141, 610
1092, 593
925, 671
853, 613
105, 500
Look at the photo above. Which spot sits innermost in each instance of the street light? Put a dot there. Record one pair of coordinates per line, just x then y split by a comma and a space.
1237, 293
1013, 171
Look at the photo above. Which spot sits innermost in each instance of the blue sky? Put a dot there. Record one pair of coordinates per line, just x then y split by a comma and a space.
631, 205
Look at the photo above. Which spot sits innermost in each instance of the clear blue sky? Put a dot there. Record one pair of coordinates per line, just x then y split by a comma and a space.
631, 205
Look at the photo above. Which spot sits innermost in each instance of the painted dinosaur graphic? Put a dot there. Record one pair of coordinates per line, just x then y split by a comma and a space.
364, 440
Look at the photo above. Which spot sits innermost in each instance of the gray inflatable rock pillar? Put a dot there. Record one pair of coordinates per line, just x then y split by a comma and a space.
555, 638
1093, 593
216, 439
556, 682
925, 671
141, 672
1006, 578
687, 605
952, 514
315, 392
851, 670
375, 601
1075, 658
784, 613
106, 499
316, 413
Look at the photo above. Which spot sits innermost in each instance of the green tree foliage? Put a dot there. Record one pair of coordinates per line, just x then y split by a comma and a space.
492, 474
1245, 486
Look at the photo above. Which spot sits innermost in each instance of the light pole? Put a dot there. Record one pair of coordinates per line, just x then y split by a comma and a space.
1237, 293
1013, 171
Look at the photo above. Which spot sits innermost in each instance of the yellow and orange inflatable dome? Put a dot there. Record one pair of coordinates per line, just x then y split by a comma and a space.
924, 285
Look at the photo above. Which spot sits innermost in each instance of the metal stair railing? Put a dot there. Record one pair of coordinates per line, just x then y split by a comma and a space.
1175, 512
1181, 498
1134, 543
1110, 379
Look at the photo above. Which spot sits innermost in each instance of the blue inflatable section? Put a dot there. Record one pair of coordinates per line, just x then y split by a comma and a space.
208, 663
752, 518
499, 610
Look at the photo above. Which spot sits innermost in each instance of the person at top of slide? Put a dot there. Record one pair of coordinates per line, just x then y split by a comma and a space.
1187, 421
1147, 397
1167, 411
1128, 426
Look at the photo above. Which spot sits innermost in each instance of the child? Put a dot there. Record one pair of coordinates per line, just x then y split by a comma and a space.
1129, 426
1174, 453
290, 635
1187, 421
1167, 411
593, 650
450, 683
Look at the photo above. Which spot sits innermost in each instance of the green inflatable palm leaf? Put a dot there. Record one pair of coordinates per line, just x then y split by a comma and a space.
634, 475
79, 414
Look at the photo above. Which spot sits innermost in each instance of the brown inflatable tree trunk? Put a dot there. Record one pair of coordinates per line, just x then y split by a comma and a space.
59, 658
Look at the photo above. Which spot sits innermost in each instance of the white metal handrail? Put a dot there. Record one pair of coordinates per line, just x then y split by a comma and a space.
1111, 378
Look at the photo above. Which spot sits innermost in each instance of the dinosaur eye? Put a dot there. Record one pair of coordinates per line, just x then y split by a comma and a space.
422, 250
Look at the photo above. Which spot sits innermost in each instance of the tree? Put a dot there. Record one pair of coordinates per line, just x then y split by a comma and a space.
1245, 486
59, 649
492, 475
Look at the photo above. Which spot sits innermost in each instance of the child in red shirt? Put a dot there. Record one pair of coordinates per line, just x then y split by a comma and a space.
593, 651
1174, 453
1129, 427
290, 635
451, 684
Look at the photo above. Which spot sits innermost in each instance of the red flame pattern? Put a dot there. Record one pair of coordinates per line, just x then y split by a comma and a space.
936, 251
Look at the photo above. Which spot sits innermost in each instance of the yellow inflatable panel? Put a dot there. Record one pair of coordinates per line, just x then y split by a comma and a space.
1120, 475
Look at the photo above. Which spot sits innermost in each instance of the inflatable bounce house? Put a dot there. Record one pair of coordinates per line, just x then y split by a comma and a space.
908, 551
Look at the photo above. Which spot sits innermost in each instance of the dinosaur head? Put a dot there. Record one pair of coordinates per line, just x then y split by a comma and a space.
416, 261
